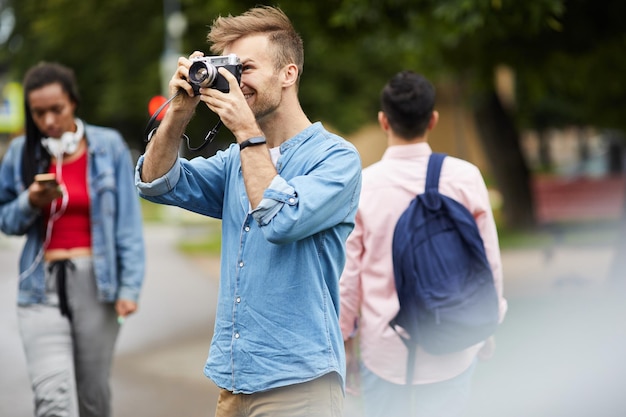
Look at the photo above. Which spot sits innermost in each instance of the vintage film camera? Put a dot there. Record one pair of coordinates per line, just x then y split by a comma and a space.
203, 72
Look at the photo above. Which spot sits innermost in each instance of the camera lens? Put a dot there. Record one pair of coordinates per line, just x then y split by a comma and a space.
202, 74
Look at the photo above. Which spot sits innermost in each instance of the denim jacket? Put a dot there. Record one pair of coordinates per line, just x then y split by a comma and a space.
278, 303
116, 223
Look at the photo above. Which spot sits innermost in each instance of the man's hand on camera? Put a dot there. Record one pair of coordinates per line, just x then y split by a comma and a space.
179, 81
232, 108
162, 151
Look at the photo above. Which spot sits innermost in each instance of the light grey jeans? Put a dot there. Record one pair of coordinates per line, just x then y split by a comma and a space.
69, 362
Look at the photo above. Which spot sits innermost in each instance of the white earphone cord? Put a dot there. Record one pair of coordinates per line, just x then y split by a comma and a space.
54, 216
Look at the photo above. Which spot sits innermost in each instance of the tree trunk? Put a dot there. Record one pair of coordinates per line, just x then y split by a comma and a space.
501, 143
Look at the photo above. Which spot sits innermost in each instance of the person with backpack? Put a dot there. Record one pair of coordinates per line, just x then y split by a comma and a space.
381, 257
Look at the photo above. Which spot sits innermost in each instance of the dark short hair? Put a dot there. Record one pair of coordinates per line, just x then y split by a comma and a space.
408, 100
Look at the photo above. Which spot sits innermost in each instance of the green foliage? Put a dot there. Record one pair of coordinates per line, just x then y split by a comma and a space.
151, 212
567, 54
114, 47
209, 244
576, 76
562, 234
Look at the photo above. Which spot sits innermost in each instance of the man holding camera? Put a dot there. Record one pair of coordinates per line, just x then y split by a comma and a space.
286, 193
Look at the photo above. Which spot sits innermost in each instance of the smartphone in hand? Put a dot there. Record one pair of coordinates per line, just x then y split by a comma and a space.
47, 180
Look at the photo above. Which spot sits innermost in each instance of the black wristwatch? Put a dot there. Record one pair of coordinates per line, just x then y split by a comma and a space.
257, 140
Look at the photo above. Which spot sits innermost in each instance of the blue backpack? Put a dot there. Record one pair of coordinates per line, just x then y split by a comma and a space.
448, 301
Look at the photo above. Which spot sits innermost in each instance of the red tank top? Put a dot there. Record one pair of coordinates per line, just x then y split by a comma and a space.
72, 229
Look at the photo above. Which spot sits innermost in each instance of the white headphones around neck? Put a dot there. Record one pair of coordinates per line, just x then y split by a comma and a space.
67, 143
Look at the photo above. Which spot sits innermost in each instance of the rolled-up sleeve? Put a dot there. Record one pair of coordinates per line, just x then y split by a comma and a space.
159, 186
318, 198
275, 196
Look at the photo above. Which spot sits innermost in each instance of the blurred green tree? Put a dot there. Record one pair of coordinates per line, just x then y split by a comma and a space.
567, 56
113, 46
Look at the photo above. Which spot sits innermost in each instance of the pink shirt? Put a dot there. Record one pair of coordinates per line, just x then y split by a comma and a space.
367, 284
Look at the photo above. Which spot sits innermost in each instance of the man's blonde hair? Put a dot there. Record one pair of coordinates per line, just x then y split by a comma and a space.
285, 42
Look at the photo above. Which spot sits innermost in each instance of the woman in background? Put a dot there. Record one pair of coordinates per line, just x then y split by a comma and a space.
82, 265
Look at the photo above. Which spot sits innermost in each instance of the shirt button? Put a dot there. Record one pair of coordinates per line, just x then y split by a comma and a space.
241, 264
292, 200
236, 335
238, 299
247, 229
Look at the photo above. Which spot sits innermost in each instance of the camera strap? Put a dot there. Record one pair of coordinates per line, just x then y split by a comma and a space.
150, 130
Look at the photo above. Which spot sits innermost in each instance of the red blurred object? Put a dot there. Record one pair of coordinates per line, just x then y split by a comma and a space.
154, 104
571, 199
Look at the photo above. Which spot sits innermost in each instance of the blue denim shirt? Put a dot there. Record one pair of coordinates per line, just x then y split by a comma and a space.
116, 222
278, 303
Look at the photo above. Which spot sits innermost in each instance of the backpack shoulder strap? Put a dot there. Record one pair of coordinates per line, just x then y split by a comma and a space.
433, 171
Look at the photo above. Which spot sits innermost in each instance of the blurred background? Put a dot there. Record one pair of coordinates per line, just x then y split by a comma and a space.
527, 90
533, 92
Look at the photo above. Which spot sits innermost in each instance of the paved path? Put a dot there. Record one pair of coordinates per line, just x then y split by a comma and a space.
561, 351
161, 350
